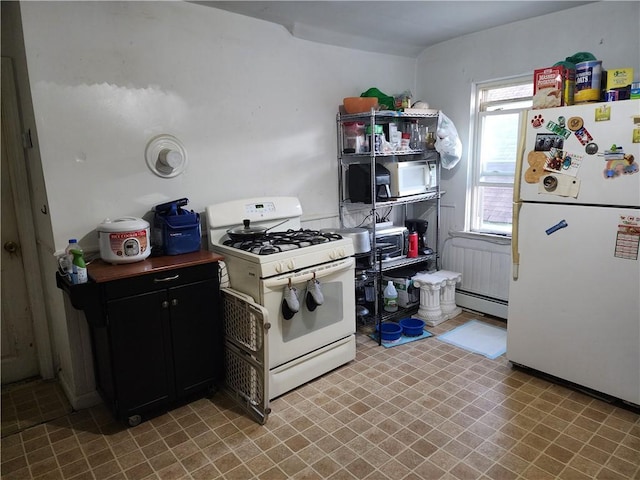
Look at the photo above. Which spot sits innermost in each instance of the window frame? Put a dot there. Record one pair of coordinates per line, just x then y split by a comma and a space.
480, 110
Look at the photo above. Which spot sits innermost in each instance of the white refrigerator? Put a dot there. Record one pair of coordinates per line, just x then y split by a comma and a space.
574, 297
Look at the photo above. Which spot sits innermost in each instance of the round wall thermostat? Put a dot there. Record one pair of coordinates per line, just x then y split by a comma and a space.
166, 156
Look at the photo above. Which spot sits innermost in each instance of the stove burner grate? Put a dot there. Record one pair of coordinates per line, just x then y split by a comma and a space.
276, 242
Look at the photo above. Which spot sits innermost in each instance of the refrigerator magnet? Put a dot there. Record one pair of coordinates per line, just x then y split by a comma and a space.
558, 129
628, 238
564, 162
561, 185
575, 123
556, 227
618, 162
583, 136
603, 113
591, 148
535, 171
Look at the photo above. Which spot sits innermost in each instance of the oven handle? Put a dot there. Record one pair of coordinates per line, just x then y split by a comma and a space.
318, 272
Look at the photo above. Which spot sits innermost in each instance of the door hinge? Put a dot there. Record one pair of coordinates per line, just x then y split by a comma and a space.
26, 139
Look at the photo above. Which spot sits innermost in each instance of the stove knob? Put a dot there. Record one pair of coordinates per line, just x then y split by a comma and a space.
279, 267
292, 264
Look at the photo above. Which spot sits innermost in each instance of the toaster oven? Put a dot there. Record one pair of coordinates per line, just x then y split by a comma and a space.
392, 243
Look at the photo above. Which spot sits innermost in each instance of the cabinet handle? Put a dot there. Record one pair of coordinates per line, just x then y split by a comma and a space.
165, 304
174, 302
166, 279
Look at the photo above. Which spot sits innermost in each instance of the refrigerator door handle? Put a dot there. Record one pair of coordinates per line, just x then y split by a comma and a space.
515, 254
517, 178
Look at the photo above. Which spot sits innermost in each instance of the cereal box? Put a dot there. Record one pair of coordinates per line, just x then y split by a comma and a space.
553, 87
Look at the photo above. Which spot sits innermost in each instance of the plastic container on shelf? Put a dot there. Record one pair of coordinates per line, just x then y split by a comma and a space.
354, 139
390, 297
375, 138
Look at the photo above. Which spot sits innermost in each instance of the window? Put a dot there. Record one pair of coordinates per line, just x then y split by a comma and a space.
498, 111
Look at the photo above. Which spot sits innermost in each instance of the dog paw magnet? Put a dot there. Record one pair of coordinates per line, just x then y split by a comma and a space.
537, 121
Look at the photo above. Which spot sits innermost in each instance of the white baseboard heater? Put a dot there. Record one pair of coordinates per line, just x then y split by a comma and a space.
485, 264
481, 303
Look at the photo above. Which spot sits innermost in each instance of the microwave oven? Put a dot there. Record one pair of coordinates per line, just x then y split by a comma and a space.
412, 177
392, 242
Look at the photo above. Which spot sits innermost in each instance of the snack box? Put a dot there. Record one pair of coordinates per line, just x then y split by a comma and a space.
618, 78
553, 87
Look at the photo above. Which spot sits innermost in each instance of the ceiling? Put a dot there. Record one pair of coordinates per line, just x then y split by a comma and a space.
392, 27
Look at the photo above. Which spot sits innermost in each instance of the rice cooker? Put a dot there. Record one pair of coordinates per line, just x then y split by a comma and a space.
124, 240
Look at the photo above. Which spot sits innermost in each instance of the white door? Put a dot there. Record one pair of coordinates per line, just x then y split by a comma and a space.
26, 347
19, 360
574, 310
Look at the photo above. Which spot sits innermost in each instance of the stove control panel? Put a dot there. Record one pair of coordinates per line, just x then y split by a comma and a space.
260, 209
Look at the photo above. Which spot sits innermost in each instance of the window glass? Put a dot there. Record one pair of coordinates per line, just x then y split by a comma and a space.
498, 110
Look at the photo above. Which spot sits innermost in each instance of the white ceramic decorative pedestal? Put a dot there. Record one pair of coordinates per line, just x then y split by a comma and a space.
437, 296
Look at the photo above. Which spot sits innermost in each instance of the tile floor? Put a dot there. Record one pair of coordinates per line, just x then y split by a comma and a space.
30, 403
423, 410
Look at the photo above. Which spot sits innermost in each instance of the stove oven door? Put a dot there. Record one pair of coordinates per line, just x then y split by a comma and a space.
246, 349
314, 340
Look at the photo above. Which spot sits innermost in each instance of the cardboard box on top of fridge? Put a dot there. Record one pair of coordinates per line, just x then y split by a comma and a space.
553, 87
619, 78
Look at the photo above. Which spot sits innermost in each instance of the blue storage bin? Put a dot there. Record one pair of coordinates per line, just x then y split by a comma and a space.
178, 228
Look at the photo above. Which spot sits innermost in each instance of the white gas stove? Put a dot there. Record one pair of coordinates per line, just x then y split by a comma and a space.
302, 279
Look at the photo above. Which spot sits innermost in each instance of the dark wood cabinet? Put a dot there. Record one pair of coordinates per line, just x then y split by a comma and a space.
156, 336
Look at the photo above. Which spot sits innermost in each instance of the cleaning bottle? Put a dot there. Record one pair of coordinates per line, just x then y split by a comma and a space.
65, 261
79, 273
390, 296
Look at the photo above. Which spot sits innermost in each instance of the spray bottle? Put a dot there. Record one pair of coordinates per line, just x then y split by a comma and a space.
79, 273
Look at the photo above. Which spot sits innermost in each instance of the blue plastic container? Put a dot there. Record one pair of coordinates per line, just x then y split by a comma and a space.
390, 331
412, 327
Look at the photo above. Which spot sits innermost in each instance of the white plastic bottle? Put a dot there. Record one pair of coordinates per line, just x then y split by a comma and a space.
66, 259
390, 296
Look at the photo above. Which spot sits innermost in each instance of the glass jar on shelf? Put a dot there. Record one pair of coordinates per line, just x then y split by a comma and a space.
414, 140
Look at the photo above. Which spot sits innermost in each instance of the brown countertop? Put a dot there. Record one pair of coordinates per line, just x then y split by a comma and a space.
101, 271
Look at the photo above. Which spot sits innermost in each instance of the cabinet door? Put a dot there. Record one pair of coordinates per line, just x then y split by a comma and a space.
141, 352
196, 336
